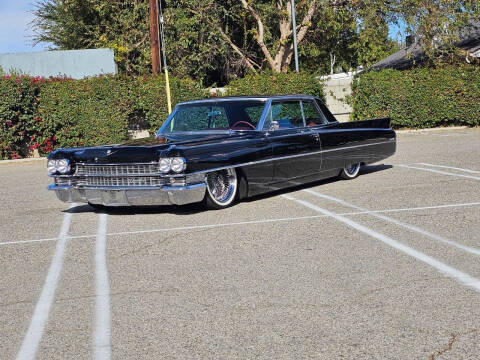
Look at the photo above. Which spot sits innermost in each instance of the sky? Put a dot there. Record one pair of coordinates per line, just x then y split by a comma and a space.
396, 31
16, 33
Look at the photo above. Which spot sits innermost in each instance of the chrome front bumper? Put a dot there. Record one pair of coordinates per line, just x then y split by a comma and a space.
129, 196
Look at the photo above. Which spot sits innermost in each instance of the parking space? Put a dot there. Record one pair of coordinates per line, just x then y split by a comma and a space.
385, 266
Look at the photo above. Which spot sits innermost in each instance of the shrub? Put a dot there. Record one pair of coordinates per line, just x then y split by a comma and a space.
272, 84
101, 110
420, 98
148, 102
18, 102
47, 114
81, 112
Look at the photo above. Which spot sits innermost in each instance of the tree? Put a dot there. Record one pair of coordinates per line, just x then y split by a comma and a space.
259, 32
79, 24
214, 41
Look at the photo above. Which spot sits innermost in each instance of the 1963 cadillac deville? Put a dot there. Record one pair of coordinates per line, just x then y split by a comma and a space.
222, 149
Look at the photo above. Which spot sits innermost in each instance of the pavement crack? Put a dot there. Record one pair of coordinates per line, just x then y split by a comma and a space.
453, 339
445, 349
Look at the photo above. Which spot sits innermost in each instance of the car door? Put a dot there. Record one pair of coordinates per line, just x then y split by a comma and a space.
295, 147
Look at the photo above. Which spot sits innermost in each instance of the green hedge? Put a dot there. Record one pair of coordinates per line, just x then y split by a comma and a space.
101, 110
18, 107
420, 98
45, 114
273, 84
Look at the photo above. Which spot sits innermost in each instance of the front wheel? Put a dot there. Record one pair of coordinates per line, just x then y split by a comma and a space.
221, 189
350, 171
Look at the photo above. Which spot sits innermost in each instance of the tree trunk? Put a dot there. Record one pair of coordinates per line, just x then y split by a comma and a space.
333, 59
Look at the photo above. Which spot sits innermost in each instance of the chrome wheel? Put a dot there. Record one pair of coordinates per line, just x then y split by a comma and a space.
222, 187
350, 171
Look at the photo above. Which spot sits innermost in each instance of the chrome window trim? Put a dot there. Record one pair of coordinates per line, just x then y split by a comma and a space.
167, 121
264, 115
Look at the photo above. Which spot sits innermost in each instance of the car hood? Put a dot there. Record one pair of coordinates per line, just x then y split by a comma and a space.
145, 149
181, 139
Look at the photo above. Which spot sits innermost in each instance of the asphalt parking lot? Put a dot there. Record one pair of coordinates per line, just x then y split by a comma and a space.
386, 266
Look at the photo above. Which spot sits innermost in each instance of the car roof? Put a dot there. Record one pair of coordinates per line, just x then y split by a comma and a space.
247, 98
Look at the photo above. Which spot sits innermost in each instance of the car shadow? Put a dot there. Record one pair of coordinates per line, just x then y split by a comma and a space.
191, 209
188, 209
364, 170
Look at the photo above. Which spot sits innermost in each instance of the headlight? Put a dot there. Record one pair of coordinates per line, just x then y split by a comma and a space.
175, 164
51, 166
178, 164
62, 166
165, 165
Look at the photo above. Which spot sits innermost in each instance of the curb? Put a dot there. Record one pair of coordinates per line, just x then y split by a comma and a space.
408, 131
22, 160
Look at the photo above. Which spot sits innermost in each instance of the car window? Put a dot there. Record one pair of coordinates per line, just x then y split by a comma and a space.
254, 113
312, 116
285, 115
225, 115
199, 118
328, 115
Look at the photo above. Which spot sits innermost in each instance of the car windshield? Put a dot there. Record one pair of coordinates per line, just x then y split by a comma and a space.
215, 116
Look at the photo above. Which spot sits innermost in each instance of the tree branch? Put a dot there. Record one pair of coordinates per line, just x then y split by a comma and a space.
250, 63
261, 33
306, 22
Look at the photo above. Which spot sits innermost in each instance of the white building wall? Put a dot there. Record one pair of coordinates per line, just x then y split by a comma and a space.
75, 64
337, 87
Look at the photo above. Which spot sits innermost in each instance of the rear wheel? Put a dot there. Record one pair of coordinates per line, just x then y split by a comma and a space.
350, 171
222, 188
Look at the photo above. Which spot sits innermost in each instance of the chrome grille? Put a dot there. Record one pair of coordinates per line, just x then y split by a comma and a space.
121, 181
116, 170
119, 175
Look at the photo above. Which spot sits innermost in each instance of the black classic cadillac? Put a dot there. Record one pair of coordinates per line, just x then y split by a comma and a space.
222, 149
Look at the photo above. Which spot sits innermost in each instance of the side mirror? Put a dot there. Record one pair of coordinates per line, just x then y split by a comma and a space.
274, 125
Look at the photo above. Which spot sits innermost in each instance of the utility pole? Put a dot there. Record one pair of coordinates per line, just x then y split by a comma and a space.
294, 25
155, 38
165, 68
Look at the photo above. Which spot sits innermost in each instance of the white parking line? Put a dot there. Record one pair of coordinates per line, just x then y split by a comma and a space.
460, 276
253, 222
34, 333
451, 167
101, 343
440, 172
399, 223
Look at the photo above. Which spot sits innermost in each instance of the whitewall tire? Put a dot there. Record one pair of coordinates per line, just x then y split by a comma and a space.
350, 171
222, 188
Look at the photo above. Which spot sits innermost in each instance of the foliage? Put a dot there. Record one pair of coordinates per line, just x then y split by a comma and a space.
276, 83
18, 102
435, 23
47, 114
82, 112
420, 98
214, 41
83, 24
